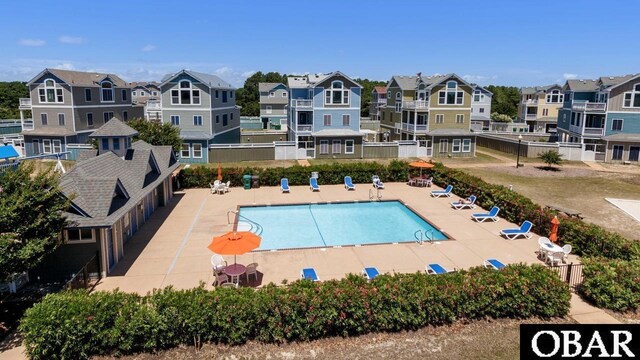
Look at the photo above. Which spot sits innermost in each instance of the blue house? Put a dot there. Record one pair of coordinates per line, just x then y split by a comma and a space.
324, 115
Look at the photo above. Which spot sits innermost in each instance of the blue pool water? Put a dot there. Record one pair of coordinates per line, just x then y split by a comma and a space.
338, 224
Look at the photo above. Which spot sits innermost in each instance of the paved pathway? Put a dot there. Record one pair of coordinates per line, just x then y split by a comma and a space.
585, 313
304, 162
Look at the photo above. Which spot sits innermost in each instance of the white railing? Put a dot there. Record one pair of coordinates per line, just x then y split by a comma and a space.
530, 116
416, 104
382, 101
589, 106
153, 105
27, 125
593, 131
413, 127
305, 127
530, 102
297, 103
25, 102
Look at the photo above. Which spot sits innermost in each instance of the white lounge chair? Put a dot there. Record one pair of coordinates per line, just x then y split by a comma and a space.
491, 215
252, 269
436, 269
493, 264
284, 185
446, 192
524, 230
376, 182
459, 205
218, 263
566, 249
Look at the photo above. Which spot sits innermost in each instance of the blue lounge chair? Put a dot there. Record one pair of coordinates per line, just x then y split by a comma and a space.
524, 230
284, 185
313, 184
446, 192
436, 269
370, 273
376, 182
491, 215
310, 274
348, 184
459, 205
494, 264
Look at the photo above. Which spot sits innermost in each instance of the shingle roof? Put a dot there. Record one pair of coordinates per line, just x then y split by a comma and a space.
310, 80
210, 80
267, 86
195, 135
114, 127
50, 131
410, 82
615, 80
380, 89
527, 90
582, 85
623, 138
82, 78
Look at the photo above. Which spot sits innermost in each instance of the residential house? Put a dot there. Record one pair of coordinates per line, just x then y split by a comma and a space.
434, 111
274, 100
113, 191
204, 107
539, 107
604, 115
324, 115
147, 94
67, 106
378, 100
481, 108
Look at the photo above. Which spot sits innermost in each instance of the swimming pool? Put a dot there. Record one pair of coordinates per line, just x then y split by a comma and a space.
334, 224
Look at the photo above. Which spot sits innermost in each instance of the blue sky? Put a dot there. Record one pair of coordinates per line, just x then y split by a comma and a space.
490, 42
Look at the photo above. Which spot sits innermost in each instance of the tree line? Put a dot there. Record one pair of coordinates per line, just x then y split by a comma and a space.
10, 94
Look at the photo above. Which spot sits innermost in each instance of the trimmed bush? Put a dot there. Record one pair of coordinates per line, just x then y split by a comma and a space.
78, 325
612, 284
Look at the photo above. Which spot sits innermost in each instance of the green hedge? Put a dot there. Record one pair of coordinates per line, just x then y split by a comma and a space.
612, 284
78, 325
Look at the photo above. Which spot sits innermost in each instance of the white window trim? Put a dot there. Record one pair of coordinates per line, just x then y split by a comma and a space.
284, 94
171, 120
613, 151
326, 144
67, 241
269, 109
55, 143
459, 116
55, 88
328, 94
88, 91
133, 93
633, 93
441, 117
448, 90
550, 95
272, 94
346, 146
113, 92
194, 120
64, 120
182, 150
456, 143
445, 143
621, 124
46, 143
87, 118
349, 118
324, 117
193, 151
191, 89
333, 146
466, 144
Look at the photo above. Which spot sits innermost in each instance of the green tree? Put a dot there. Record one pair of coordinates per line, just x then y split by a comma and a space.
249, 95
10, 93
365, 96
500, 117
551, 157
31, 218
505, 100
157, 133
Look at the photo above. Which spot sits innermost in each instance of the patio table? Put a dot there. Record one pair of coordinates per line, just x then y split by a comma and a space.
234, 271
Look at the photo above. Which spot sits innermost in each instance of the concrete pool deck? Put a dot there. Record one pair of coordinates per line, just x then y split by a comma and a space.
171, 248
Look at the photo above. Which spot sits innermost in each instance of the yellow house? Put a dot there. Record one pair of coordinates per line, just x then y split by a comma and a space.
539, 107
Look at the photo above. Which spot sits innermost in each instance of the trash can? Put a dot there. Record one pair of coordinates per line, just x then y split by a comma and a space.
255, 181
246, 181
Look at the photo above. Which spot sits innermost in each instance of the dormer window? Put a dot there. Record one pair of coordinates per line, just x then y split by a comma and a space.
50, 93
555, 97
476, 95
337, 94
398, 95
452, 95
106, 91
186, 94
632, 98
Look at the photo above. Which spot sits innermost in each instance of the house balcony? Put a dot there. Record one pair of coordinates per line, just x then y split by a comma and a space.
25, 104
381, 101
530, 116
153, 106
27, 125
416, 105
586, 131
301, 104
530, 102
304, 127
413, 128
589, 106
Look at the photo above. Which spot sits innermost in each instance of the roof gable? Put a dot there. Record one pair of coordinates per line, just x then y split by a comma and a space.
212, 81
80, 78
336, 75
114, 128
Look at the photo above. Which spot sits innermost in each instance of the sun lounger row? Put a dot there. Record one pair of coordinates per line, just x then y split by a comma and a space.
313, 184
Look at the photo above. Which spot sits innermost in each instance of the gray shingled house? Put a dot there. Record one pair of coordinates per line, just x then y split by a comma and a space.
113, 191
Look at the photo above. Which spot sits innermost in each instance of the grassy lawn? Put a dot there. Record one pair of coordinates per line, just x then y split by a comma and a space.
524, 160
385, 161
261, 163
579, 189
478, 159
41, 165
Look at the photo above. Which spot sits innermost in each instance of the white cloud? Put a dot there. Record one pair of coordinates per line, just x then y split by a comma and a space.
66, 39
31, 42
222, 71
148, 48
568, 76
65, 66
248, 73
479, 78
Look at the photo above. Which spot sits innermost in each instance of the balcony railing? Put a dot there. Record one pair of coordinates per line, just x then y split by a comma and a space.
27, 125
25, 103
412, 127
153, 106
593, 131
530, 116
382, 101
416, 104
305, 127
589, 106
297, 103
530, 102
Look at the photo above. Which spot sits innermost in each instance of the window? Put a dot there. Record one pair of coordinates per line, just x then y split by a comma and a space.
346, 120
79, 235
451, 96
444, 145
185, 94
105, 144
616, 125
337, 94
398, 107
476, 95
51, 93
46, 146
217, 119
459, 118
284, 94
230, 94
272, 94
225, 119
216, 94
116, 143
632, 98
224, 96
481, 110
57, 146
466, 145
197, 151
617, 152
125, 115
327, 119
124, 95
133, 93
545, 112
36, 146
175, 120
107, 116
197, 120
87, 95
324, 146
231, 116
155, 93
335, 146
455, 146
269, 109
348, 147
106, 90
398, 95
439, 118
634, 153
61, 119
89, 119
555, 97
44, 119
184, 150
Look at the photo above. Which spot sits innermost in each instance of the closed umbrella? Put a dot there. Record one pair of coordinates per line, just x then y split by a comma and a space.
234, 243
554, 229
219, 172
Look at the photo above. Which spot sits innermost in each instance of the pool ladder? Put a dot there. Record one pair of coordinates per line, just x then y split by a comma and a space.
255, 227
373, 196
428, 236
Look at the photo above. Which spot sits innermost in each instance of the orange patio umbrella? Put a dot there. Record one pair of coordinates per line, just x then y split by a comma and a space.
421, 164
554, 229
219, 172
234, 243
